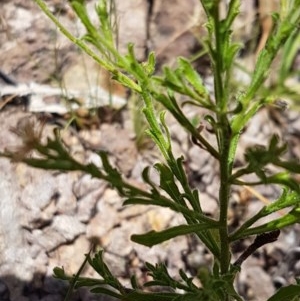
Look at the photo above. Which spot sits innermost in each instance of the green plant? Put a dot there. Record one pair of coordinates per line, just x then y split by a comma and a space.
228, 115
139, 125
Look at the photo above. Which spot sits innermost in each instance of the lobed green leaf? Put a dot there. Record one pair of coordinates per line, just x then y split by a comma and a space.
286, 293
152, 238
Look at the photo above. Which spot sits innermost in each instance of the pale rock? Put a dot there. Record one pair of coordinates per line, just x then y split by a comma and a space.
102, 222
153, 255
14, 258
86, 184
140, 165
66, 201
40, 260
197, 158
117, 141
197, 258
132, 30
111, 197
116, 262
35, 218
23, 22
37, 186
72, 256
159, 219
132, 211
175, 247
254, 276
93, 158
63, 229
47, 238
177, 149
208, 204
171, 29
94, 86
86, 206
68, 226
92, 137
212, 189
177, 132
117, 240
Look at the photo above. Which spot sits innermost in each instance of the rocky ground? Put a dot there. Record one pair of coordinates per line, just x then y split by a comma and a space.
50, 219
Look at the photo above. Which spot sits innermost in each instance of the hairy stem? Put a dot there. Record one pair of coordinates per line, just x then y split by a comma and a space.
224, 193
224, 141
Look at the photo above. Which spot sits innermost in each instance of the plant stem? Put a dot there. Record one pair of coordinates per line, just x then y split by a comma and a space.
224, 140
224, 192
218, 59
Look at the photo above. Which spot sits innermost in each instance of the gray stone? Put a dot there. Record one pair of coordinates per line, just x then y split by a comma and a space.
52, 297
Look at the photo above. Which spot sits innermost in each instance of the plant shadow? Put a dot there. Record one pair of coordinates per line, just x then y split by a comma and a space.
43, 288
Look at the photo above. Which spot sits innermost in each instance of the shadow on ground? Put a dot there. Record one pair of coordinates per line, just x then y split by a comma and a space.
43, 288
